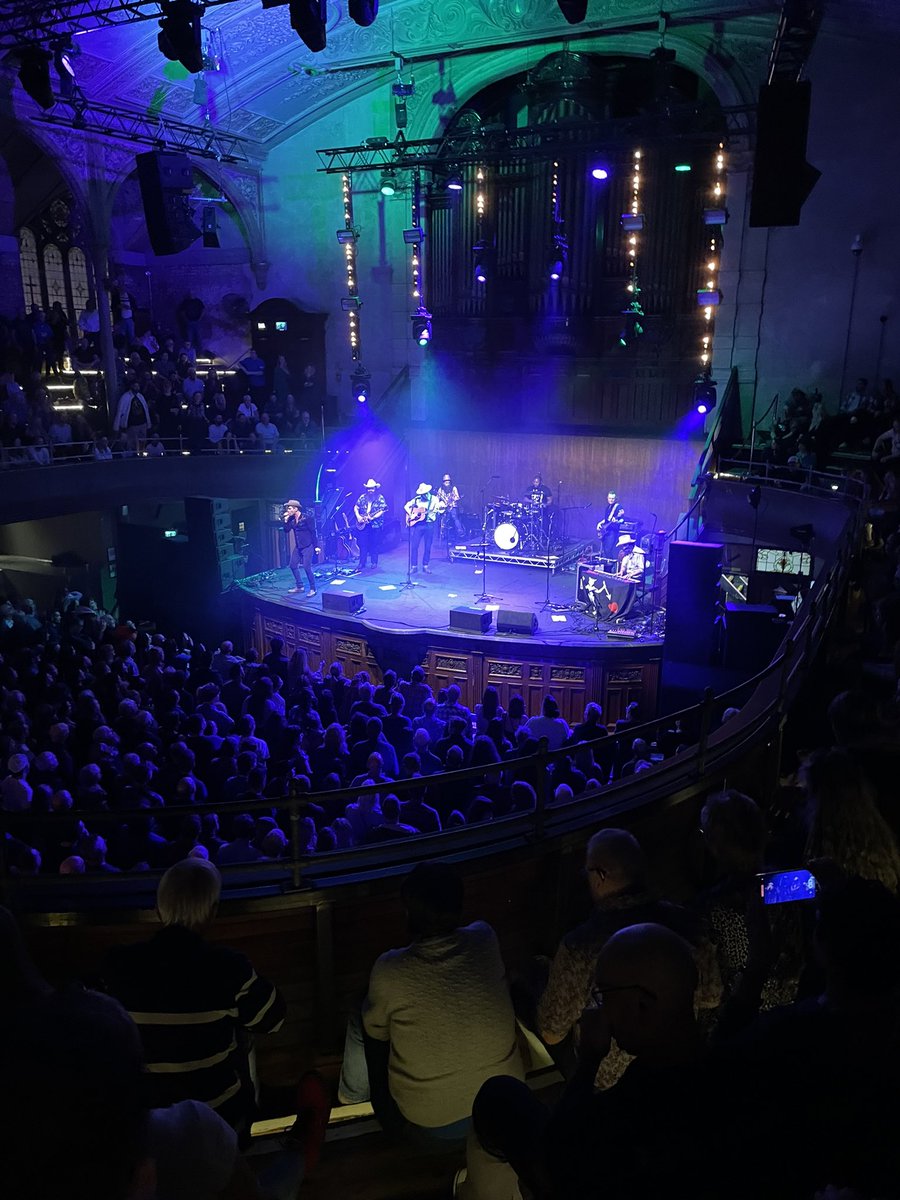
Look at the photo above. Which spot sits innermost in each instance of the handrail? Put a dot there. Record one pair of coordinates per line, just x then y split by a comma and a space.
77, 453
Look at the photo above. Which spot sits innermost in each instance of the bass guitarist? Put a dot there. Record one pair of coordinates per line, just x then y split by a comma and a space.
369, 511
421, 514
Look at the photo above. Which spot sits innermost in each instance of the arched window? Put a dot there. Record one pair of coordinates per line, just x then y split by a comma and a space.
78, 279
30, 268
54, 277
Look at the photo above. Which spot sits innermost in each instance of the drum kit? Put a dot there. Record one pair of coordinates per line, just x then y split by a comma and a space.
516, 527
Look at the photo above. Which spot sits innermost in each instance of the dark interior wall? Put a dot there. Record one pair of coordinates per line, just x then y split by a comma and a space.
85, 538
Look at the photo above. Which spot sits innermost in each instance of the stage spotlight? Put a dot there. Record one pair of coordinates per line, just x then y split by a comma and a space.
704, 393
573, 10
600, 173
210, 227
715, 216
346, 237
682, 168
708, 297
179, 37
308, 22
350, 303
632, 222
480, 271
34, 74
421, 326
454, 183
631, 324
414, 236
64, 64
363, 12
360, 385
388, 183
559, 256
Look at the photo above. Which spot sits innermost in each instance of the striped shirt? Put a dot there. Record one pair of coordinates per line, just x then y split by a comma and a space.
195, 1005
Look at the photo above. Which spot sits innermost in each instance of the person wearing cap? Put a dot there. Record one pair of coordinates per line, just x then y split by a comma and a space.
302, 527
369, 511
421, 514
448, 495
15, 790
632, 559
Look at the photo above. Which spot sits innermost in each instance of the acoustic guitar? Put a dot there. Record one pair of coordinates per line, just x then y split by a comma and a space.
419, 513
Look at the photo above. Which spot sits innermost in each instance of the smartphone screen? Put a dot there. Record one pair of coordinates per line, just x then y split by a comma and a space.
782, 887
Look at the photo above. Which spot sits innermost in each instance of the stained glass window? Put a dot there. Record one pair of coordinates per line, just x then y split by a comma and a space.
54, 276
30, 268
78, 279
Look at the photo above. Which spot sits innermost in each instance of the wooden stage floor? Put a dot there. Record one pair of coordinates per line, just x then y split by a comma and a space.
391, 607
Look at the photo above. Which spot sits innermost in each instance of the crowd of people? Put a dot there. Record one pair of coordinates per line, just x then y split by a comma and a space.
159, 398
806, 433
105, 728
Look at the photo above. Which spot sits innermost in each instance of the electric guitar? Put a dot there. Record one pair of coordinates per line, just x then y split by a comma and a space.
367, 518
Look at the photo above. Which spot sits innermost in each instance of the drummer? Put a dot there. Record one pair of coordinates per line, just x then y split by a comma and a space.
632, 559
539, 497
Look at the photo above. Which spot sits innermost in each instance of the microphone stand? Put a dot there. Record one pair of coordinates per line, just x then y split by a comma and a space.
485, 597
409, 582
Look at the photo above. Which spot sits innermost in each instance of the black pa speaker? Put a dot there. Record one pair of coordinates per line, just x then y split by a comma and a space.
782, 178
167, 181
347, 603
693, 593
472, 620
753, 633
510, 621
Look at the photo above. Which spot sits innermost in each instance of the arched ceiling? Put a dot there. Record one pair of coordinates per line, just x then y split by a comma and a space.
271, 85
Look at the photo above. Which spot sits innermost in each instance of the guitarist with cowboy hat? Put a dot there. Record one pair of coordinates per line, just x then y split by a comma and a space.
369, 511
421, 514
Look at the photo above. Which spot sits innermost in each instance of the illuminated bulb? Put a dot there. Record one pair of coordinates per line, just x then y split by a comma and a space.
710, 283
637, 154
632, 241
710, 266
630, 288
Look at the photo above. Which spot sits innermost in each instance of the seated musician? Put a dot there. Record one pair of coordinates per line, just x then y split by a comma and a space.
540, 496
609, 527
632, 560
448, 495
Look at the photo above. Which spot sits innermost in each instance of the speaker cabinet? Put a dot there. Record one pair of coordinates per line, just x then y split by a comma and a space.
471, 620
693, 593
510, 621
753, 632
782, 178
167, 181
347, 603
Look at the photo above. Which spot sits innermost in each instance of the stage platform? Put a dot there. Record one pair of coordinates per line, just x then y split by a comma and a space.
558, 559
401, 627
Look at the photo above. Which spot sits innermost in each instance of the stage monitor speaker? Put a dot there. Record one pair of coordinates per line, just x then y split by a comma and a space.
510, 621
343, 602
693, 593
167, 181
782, 178
753, 632
472, 620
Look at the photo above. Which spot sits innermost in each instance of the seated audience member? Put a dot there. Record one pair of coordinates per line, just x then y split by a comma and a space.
843, 822
549, 725
393, 825
429, 763
437, 1020
457, 735
429, 721
364, 815
616, 872
656, 1125
590, 726
374, 742
488, 710
194, 1002
423, 818
397, 726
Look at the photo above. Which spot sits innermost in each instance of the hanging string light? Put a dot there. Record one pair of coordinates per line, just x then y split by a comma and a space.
420, 316
480, 248
633, 224
714, 217
559, 247
416, 247
347, 237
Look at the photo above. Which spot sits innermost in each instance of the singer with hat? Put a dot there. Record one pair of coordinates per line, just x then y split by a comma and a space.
422, 512
369, 511
301, 528
632, 559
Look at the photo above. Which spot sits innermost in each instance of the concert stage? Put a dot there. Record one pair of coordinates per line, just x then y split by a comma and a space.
569, 654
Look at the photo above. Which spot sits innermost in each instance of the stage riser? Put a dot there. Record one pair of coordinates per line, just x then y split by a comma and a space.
614, 676
557, 561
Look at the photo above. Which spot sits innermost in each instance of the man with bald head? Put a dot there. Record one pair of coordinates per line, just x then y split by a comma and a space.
616, 872
649, 1134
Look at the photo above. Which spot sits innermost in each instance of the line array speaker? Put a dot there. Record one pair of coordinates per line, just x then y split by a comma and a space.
167, 181
782, 178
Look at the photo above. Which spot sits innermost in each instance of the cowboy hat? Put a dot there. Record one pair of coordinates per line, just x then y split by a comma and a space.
370, 482
625, 539
423, 489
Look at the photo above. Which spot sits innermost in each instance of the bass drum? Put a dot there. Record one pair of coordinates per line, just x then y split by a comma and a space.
509, 535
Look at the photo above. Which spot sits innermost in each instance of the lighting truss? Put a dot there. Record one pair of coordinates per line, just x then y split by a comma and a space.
131, 125
491, 144
23, 20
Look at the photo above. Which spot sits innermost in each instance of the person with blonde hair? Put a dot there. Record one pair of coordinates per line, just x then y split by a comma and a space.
196, 1003
843, 822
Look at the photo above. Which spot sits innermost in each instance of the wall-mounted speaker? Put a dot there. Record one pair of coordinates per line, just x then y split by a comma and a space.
782, 178
167, 182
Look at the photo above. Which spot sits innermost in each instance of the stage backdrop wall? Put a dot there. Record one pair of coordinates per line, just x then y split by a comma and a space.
651, 475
